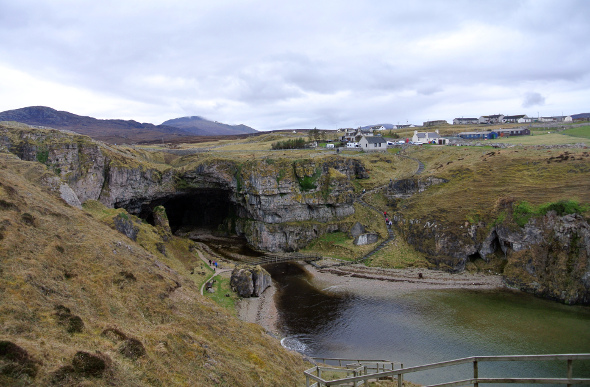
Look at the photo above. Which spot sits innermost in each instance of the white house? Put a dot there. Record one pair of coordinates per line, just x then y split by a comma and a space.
563, 118
465, 121
373, 144
547, 119
518, 119
428, 138
493, 119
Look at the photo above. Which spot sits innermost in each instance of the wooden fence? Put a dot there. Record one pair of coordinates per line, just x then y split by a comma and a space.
361, 374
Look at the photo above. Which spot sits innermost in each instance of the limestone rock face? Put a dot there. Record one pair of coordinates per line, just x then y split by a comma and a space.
365, 239
250, 281
271, 194
407, 187
357, 229
549, 256
283, 237
161, 219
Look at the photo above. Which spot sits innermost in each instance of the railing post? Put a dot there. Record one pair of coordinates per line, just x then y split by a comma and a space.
475, 373
570, 370
306, 381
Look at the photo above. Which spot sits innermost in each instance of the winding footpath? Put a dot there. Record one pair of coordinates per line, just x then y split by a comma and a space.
217, 272
360, 200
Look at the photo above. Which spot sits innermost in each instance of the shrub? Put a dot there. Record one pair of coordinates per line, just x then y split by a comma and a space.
563, 207
523, 211
297, 143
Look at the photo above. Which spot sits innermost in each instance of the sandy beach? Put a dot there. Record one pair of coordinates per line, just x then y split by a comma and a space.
363, 280
261, 310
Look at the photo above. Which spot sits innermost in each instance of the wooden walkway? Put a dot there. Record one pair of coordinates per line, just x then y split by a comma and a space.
363, 374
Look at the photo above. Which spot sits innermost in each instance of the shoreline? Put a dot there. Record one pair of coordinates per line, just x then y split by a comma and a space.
261, 310
366, 281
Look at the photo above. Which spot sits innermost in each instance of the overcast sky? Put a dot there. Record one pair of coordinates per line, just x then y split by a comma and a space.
296, 64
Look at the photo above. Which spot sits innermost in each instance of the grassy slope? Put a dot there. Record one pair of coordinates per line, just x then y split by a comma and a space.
53, 254
478, 177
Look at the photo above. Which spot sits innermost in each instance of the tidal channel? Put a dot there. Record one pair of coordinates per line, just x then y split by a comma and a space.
427, 326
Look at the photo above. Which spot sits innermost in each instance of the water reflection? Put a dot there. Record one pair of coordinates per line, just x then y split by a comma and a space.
430, 326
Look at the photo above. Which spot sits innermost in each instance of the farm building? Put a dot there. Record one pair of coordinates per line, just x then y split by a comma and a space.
489, 135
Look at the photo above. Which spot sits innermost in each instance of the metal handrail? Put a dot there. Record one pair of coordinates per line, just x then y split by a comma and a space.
569, 380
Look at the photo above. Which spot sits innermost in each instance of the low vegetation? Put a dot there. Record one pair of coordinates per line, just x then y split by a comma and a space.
84, 304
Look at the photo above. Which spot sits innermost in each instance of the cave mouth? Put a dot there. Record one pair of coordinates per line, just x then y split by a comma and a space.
207, 210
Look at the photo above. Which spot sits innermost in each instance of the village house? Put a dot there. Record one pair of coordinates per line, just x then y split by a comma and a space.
373, 144
493, 119
428, 138
563, 118
465, 121
518, 119
378, 127
547, 119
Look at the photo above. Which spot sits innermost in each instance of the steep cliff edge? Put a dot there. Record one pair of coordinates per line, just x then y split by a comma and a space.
547, 254
244, 197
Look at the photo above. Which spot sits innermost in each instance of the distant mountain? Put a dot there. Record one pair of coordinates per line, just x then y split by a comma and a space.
113, 131
122, 131
580, 116
199, 126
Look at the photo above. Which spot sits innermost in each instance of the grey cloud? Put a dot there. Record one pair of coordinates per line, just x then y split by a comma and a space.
533, 99
271, 63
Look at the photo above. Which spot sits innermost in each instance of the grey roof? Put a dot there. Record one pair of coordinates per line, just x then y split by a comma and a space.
375, 140
514, 117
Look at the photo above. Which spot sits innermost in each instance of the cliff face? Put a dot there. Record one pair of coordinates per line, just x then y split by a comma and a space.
549, 256
264, 193
281, 205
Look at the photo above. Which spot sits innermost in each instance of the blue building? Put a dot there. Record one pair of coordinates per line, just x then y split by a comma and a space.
488, 135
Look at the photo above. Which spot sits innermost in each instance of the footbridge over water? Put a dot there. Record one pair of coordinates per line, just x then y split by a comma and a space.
284, 257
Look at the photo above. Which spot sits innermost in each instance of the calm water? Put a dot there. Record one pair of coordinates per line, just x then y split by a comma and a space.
430, 326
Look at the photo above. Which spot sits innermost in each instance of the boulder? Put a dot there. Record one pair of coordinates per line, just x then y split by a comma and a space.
357, 229
250, 281
161, 219
365, 239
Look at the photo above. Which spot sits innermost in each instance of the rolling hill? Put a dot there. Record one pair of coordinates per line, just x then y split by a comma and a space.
199, 126
120, 131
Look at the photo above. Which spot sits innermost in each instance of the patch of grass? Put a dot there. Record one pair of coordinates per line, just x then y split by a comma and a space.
42, 155
523, 211
337, 245
220, 289
580, 132
398, 255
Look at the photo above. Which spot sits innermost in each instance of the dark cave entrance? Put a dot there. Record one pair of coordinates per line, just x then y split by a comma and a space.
206, 209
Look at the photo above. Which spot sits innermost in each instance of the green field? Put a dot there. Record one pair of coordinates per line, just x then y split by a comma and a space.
582, 132
570, 136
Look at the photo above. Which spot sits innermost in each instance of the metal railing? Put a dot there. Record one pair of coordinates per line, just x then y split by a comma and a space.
361, 374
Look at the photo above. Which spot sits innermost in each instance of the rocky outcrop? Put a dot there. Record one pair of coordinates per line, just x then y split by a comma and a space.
549, 256
250, 281
284, 237
277, 204
161, 219
365, 239
407, 187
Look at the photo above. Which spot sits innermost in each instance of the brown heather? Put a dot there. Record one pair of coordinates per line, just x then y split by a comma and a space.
82, 304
